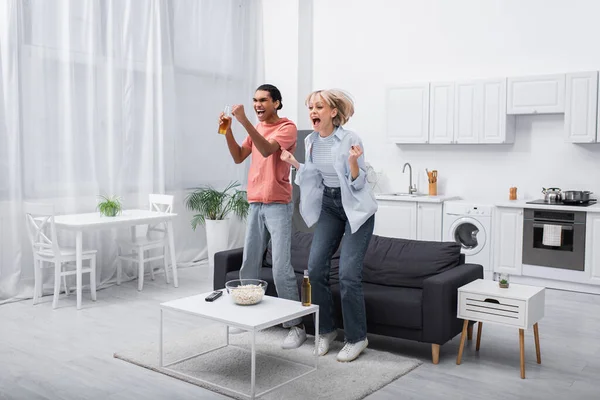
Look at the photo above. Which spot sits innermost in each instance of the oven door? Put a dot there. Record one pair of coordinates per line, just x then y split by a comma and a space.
552, 243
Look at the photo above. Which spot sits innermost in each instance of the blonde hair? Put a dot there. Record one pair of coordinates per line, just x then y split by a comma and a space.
337, 99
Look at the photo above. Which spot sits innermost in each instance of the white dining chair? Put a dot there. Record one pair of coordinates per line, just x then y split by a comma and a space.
47, 252
140, 246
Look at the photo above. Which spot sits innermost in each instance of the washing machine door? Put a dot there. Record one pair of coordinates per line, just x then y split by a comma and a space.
470, 234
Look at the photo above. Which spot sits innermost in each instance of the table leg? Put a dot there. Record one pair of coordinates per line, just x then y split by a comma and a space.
140, 270
253, 368
479, 326
463, 336
522, 351
317, 338
470, 332
79, 265
536, 336
160, 341
172, 253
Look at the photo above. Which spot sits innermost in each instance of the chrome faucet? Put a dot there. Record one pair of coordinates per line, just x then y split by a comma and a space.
411, 188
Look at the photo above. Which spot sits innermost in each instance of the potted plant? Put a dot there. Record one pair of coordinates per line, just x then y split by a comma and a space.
110, 206
212, 209
503, 281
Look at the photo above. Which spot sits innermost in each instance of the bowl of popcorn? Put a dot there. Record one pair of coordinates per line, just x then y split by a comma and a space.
246, 292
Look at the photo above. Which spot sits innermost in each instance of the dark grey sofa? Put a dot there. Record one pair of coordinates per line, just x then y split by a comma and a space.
410, 286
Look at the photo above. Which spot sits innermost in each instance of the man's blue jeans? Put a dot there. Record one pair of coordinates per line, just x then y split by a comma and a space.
331, 229
274, 221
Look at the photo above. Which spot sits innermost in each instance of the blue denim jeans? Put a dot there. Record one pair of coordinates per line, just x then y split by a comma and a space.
331, 229
271, 221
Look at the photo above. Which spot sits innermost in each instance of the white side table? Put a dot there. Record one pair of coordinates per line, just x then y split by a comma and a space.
521, 306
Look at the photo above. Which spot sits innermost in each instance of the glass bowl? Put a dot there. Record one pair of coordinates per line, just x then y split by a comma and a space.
246, 292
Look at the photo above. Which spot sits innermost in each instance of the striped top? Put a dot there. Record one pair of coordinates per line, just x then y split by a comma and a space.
323, 160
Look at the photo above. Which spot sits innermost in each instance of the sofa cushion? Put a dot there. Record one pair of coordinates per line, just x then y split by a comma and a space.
386, 305
300, 251
401, 262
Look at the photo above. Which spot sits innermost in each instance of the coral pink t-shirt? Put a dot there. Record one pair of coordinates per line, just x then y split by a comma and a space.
269, 177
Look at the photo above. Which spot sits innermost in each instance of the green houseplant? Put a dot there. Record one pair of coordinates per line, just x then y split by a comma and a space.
110, 206
212, 208
215, 205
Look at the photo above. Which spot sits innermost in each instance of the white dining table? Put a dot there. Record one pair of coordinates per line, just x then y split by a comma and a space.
80, 223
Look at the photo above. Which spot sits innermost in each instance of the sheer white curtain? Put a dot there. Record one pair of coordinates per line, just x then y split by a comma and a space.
119, 98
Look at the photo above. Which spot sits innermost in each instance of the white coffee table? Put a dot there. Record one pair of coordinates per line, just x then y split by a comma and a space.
269, 312
521, 306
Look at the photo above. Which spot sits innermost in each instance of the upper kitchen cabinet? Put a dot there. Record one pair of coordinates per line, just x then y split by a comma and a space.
408, 113
441, 112
480, 115
543, 94
581, 108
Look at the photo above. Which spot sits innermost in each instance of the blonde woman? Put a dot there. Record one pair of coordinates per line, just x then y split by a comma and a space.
335, 197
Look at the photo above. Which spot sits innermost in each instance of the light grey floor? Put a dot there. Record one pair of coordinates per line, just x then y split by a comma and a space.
67, 354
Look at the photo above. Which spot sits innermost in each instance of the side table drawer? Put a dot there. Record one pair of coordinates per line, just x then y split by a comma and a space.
478, 307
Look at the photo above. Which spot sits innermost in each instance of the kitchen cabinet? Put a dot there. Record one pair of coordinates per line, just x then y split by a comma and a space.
407, 113
508, 240
409, 220
592, 246
441, 112
397, 219
544, 94
481, 113
581, 107
429, 221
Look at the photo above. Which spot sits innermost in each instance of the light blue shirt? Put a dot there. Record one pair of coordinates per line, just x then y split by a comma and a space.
357, 198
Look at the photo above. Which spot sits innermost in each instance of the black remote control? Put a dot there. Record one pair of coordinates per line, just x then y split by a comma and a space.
214, 295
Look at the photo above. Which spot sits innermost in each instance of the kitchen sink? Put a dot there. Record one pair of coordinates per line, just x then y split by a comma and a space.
404, 194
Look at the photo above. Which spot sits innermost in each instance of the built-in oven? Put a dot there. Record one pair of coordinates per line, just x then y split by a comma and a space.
554, 238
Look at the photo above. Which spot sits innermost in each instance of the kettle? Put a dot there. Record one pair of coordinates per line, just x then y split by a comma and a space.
552, 195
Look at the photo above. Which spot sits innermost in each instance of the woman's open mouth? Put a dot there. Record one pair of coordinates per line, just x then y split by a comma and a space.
316, 121
260, 113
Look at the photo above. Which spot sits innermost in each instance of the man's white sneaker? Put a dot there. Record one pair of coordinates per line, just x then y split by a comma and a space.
296, 336
352, 350
324, 342
236, 331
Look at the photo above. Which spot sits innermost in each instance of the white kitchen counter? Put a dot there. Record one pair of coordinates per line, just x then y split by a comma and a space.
523, 204
420, 199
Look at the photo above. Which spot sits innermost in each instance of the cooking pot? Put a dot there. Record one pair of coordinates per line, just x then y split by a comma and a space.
552, 195
576, 196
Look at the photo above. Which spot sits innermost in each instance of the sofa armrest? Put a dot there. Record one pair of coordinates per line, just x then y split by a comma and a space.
440, 299
226, 261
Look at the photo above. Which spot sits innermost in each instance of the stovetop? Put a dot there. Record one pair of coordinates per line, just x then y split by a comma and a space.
562, 203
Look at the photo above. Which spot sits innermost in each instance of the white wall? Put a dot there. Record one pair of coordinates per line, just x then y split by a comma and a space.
365, 46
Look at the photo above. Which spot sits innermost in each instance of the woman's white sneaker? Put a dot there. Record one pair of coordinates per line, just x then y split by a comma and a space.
351, 351
324, 342
296, 336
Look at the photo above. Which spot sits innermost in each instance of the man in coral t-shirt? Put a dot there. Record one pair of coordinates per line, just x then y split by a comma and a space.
270, 196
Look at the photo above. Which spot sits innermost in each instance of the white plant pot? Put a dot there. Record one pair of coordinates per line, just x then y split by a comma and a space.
217, 238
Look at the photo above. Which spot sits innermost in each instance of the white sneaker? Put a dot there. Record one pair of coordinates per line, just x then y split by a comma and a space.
352, 350
324, 342
296, 336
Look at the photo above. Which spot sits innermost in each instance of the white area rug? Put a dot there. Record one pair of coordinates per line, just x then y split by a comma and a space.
230, 366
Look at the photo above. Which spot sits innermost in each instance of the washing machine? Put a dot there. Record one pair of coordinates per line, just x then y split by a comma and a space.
470, 225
